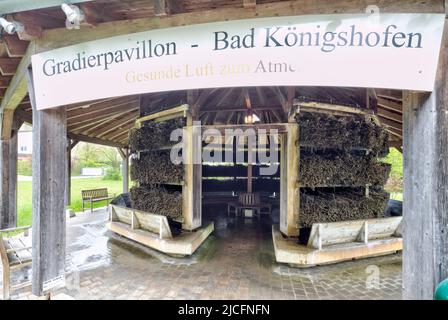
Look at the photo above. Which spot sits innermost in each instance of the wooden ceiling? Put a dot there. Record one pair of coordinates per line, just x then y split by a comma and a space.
108, 121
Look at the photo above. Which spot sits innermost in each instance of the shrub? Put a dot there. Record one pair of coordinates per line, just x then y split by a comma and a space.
24, 168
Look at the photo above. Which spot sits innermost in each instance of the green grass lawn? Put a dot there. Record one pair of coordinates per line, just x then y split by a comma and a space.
24, 197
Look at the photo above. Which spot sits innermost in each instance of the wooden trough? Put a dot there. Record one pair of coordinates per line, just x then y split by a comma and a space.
340, 241
154, 231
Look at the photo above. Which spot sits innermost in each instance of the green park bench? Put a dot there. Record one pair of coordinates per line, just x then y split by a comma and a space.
95, 195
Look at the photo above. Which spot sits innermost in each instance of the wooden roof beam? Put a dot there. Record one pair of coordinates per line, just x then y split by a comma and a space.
160, 8
261, 95
8, 66
113, 135
95, 140
115, 123
390, 104
240, 109
390, 94
249, 4
4, 81
13, 6
389, 115
247, 99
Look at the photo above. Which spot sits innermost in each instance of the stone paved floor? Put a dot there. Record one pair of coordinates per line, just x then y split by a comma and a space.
236, 262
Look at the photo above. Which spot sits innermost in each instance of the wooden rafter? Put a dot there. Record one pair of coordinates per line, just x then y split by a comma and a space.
261, 95
77, 125
4, 81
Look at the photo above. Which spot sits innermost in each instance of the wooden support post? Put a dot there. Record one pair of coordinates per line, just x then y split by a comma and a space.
249, 165
289, 173
49, 184
69, 173
8, 178
126, 171
192, 189
425, 212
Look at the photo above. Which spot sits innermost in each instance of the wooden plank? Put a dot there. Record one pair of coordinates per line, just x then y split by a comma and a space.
425, 211
8, 66
49, 184
114, 124
7, 116
14, 46
389, 115
68, 187
390, 105
125, 169
289, 196
56, 38
290, 252
8, 179
249, 4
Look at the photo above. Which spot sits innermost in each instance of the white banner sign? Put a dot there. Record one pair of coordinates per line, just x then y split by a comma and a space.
397, 51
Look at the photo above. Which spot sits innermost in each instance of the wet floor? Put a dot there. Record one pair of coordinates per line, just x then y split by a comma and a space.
236, 262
